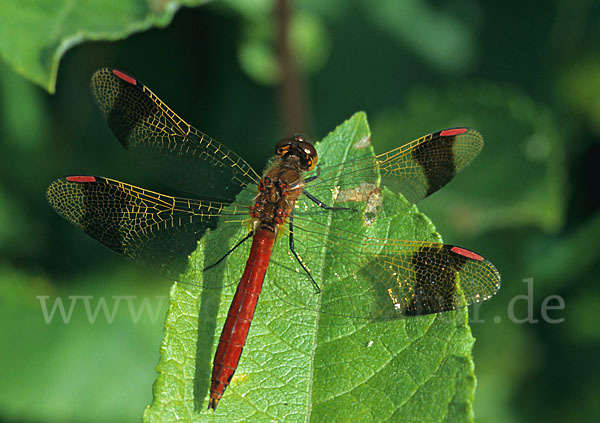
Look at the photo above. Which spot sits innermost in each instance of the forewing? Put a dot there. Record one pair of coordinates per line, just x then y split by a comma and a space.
154, 230
421, 167
172, 149
416, 169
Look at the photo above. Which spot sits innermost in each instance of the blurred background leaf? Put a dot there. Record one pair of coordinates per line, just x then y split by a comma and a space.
34, 34
525, 74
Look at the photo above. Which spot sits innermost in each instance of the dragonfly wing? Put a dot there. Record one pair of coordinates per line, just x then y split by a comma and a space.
154, 230
377, 278
416, 169
412, 278
175, 151
421, 167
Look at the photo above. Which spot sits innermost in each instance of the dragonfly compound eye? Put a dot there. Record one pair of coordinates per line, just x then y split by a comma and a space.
311, 154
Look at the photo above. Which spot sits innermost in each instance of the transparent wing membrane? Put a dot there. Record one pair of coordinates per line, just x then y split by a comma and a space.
382, 278
172, 149
416, 169
154, 230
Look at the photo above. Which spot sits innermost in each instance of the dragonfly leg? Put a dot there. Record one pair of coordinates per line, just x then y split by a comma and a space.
230, 251
315, 284
323, 205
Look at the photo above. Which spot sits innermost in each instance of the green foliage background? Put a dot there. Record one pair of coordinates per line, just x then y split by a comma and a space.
526, 75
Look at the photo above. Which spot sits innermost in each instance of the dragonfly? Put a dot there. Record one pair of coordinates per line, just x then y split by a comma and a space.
296, 198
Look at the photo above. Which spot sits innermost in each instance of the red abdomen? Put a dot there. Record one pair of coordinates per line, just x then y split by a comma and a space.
239, 317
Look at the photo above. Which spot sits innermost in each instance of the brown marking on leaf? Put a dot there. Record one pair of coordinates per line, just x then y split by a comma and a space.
365, 192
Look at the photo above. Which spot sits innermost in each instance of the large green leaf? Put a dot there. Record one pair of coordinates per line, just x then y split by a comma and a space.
300, 364
34, 34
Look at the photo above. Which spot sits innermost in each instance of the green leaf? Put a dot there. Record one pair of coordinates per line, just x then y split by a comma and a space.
34, 34
299, 364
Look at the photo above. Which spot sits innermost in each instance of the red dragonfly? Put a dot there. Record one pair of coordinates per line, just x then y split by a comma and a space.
363, 276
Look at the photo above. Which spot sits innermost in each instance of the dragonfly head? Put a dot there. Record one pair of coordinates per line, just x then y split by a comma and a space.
298, 146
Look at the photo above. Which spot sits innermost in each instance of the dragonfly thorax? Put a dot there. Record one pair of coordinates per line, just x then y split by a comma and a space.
277, 193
